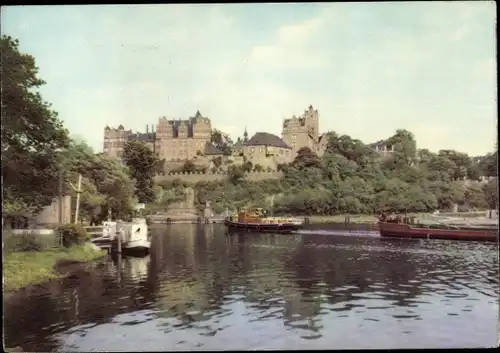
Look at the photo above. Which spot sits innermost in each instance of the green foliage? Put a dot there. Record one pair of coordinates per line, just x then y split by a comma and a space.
306, 159
105, 181
247, 166
244, 193
351, 178
142, 163
22, 242
31, 133
217, 161
72, 234
190, 167
222, 141
490, 191
169, 192
24, 268
489, 164
160, 167
235, 174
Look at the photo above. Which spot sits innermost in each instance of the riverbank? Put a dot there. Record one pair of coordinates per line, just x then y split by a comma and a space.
370, 219
353, 219
24, 268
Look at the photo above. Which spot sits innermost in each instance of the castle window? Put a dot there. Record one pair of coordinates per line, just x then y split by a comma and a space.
252, 149
261, 149
281, 151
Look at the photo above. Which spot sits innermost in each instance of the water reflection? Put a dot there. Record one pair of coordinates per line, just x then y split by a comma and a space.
203, 289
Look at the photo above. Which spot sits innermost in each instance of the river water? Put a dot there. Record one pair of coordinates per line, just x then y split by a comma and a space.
203, 289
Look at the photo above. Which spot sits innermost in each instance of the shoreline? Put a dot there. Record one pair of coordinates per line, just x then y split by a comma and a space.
332, 219
30, 271
340, 219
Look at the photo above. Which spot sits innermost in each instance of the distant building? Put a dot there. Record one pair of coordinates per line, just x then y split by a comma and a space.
174, 140
303, 131
114, 140
477, 159
383, 147
267, 150
190, 139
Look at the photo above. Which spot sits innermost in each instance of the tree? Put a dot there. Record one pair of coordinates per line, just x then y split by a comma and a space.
32, 134
489, 164
142, 164
258, 168
404, 148
189, 167
351, 178
344, 145
306, 159
462, 163
105, 181
160, 167
490, 190
247, 166
222, 141
235, 174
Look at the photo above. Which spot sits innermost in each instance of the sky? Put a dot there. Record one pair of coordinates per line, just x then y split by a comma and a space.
369, 68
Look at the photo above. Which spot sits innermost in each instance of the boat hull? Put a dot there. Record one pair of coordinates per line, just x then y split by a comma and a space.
401, 230
135, 247
264, 227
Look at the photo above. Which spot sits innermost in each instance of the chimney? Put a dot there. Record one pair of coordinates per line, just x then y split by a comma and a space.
152, 128
147, 129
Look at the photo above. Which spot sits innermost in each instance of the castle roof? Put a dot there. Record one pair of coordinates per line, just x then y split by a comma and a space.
266, 139
211, 149
238, 144
143, 137
379, 143
478, 159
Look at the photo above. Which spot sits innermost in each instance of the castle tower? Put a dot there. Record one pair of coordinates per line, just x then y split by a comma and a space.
245, 135
114, 140
302, 131
312, 122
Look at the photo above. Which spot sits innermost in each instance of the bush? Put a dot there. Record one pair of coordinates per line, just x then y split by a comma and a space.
22, 242
73, 234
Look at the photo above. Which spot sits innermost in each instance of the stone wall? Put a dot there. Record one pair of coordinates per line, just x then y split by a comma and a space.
50, 214
196, 177
252, 176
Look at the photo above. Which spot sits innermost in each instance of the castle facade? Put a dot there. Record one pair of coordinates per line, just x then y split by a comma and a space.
173, 140
181, 140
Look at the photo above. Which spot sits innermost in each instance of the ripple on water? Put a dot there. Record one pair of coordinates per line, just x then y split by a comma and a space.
202, 289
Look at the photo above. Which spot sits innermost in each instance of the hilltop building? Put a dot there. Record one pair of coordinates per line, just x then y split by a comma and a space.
303, 131
173, 140
267, 150
383, 147
190, 139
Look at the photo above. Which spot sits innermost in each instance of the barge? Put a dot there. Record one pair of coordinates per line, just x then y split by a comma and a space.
258, 222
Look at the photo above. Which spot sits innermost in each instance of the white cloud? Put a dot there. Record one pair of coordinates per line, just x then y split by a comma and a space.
300, 32
368, 68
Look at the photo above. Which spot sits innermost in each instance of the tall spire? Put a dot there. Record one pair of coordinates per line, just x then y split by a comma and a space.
245, 135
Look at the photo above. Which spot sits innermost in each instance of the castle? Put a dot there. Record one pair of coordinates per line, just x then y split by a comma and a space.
181, 140
303, 131
173, 139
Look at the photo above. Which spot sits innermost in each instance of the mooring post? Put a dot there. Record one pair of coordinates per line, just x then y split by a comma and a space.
118, 242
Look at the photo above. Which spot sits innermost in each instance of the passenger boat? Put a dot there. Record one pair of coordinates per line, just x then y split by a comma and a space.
403, 228
134, 237
257, 221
